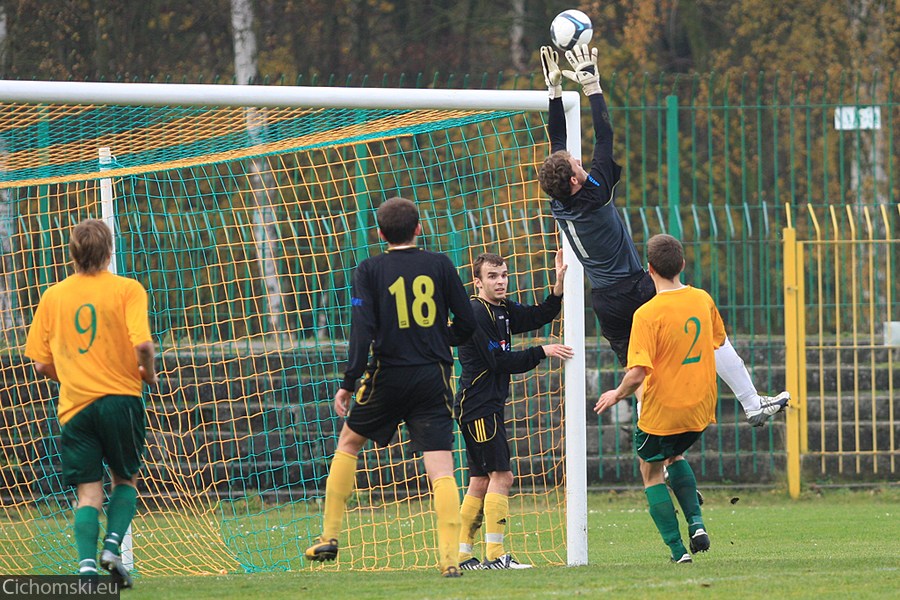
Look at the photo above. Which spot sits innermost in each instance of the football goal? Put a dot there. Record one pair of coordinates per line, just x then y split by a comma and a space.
244, 210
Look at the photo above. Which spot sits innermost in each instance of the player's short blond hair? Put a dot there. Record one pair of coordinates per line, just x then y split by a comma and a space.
90, 245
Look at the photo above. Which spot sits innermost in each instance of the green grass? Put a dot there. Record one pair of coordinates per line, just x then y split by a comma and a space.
830, 544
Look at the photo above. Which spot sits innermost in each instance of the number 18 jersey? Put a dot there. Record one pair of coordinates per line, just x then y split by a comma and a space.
401, 301
674, 337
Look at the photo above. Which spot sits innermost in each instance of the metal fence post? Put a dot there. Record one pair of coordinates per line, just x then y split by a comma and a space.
674, 179
792, 334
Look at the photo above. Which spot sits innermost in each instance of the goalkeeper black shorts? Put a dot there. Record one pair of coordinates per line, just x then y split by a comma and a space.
615, 306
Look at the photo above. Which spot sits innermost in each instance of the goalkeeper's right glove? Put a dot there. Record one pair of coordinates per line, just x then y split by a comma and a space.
584, 63
552, 74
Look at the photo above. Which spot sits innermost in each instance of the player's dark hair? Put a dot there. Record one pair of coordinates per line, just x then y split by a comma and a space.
90, 245
666, 255
397, 219
493, 260
556, 175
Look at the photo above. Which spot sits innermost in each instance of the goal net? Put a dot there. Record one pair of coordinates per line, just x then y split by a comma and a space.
245, 226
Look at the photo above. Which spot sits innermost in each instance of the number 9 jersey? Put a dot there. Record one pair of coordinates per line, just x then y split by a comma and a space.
87, 327
401, 301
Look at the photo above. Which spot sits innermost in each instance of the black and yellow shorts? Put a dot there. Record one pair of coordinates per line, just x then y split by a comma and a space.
656, 448
419, 395
111, 429
487, 447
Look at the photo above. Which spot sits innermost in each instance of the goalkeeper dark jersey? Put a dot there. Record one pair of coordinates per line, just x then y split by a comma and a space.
401, 302
487, 359
589, 218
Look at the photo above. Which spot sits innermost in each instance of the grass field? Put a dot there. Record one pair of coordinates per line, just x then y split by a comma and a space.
829, 544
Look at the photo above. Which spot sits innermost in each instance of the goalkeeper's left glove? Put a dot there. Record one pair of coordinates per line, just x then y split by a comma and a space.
584, 63
552, 74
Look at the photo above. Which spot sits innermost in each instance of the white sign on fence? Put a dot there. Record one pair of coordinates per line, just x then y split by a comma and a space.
857, 117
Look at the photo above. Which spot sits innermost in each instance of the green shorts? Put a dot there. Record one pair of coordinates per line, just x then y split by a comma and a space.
655, 448
111, 429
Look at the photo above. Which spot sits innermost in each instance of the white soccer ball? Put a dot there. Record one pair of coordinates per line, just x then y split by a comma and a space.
571, 28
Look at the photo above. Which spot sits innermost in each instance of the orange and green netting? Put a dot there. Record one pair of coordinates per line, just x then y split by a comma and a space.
245, 226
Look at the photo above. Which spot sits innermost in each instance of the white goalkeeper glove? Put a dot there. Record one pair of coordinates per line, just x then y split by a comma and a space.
552, 74
584, 63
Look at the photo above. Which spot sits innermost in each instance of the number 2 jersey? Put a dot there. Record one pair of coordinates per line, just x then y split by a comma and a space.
588, 218
674, 337
401, 302
87, 326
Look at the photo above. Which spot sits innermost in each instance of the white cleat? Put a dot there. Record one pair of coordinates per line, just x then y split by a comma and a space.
769, 406
504, 562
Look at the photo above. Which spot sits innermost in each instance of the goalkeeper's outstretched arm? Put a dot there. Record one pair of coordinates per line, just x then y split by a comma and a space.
556, 120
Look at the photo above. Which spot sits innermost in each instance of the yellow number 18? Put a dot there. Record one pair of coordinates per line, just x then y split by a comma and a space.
423, 306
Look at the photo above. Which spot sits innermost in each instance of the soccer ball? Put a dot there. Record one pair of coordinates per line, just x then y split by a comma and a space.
571, 28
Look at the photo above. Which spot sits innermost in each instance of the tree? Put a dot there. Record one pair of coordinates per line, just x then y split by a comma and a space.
262, 183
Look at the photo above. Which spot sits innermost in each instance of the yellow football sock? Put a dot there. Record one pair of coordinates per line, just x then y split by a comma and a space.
496, 511
471, 518
446, 506
338, 487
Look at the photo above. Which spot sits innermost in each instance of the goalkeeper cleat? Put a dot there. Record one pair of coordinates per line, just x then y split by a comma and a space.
322, 550
472, 564
699, 541
113, 563
503, 562
768, 407
685, 559
451, 571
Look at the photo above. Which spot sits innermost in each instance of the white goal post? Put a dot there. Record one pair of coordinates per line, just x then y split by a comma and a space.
148, 94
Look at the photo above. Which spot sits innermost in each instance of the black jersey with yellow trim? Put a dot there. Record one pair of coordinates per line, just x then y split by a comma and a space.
488, 359
401, 302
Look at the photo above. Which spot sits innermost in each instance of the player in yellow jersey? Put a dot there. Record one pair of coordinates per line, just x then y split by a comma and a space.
91, 334
672, 347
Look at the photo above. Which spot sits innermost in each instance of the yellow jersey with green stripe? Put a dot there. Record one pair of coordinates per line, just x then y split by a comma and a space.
87, 327
674, 337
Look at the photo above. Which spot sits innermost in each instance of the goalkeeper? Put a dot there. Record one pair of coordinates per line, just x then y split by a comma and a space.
582, 204
487, 360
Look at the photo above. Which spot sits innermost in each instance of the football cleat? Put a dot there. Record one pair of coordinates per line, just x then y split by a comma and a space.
322, 550
768, 407
451, 571
505, 561
685, 559
113, 563
699, 541
472, 564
